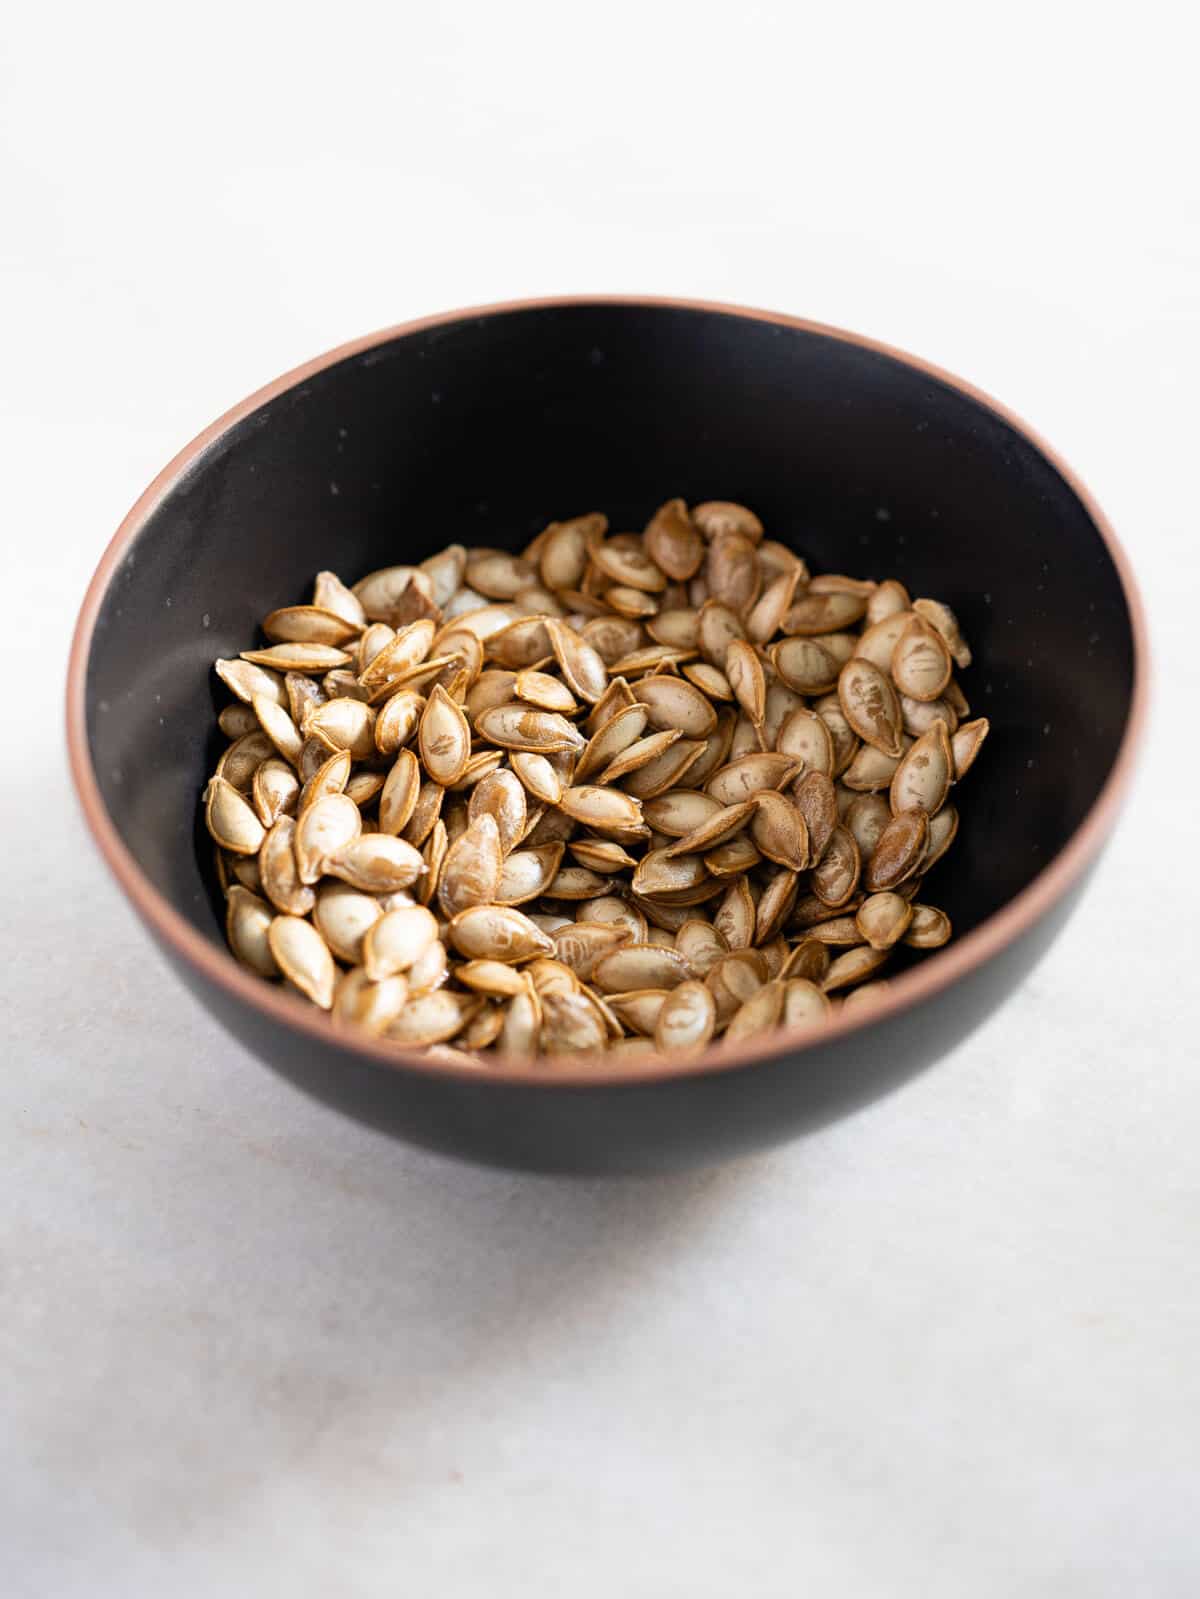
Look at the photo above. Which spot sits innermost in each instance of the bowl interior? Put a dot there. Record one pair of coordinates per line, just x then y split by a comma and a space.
480, 430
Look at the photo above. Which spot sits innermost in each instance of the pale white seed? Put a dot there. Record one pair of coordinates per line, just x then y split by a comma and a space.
398, 940
328, 825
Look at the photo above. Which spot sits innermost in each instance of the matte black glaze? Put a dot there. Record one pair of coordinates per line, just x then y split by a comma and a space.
481, 430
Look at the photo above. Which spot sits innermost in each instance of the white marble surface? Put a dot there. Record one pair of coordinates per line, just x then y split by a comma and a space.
947, 1347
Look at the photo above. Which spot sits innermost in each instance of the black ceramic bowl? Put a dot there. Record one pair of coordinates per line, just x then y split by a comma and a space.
481, 426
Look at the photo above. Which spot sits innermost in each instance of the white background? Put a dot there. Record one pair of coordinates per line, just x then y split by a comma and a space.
948, 1347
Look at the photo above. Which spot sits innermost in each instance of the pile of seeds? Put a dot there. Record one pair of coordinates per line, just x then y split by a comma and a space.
623, 793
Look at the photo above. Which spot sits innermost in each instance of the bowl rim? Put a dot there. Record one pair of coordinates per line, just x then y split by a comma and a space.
922, 982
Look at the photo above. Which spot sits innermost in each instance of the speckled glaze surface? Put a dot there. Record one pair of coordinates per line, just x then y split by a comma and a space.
481, 426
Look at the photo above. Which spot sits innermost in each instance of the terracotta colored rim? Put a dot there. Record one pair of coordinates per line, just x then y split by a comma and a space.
922, 982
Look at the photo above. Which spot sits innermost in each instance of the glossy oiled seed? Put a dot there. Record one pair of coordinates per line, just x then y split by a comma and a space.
303, 957
677, 751
328, 825
883, 919
247, 923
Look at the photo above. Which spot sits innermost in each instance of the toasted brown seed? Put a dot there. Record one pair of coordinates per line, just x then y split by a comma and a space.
660, 874
235, 721
526, 873
899, 852
604, 809
767, 614
377, 863
716, 628
397, 721
518, 728
522, 1024
804, 1004
398, 797
736, 856
750, 775
491, 977
274, 790
839, 932
246, 680
571, 1025
721, 823
686, 1018
780, 831
672, 541
878, 643
744, 671
714, 517
537, 775
816, 799
231, 821
759, 1014
279, 873
444, 738
855, 966
425, 814
247, 924
680, 811
944, 622
922, 779
805, 665
866, 818
734, 979
845, 739
672, 703
870, 770
309, 624
805, 737
470, 873
392, 594
639, 1008
776, 905
433, 1018
303, 957
731, 570
520, 643
330, 777
655, 764
325, 827
602, 855
928, 929
966, 744
433, 857
331, 594
715, 752
582, 666
398, 940
735, 916
883, 919
342, 916
920, 715
701, 945
298, 657
816, 613
921, 664
497, 932
278, 726
359, 1001
343, 724
836, 878
609, 909
580, 945
546, 692
808, 960
638, 966
887, 599
870, 704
